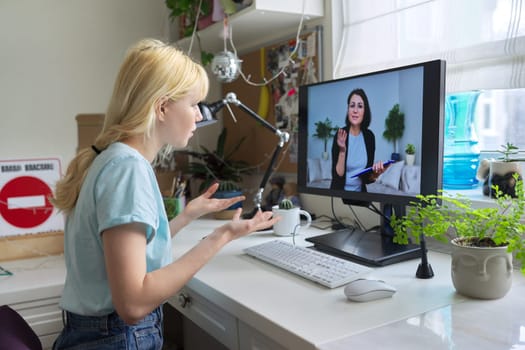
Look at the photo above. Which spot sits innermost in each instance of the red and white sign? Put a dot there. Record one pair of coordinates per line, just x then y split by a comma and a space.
25, 188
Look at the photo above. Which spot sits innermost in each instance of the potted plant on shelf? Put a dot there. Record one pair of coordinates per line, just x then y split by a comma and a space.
410, 153
394, 128
325, 132
186, 11
219, 166
483, 239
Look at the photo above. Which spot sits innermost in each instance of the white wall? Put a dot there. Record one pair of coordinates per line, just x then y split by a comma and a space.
59, 58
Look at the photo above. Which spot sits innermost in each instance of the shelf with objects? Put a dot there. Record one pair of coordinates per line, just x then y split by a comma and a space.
250, 24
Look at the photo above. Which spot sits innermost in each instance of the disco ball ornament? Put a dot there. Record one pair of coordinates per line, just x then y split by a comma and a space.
226, 66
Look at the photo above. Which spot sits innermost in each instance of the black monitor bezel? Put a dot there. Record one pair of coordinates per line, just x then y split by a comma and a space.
432, 144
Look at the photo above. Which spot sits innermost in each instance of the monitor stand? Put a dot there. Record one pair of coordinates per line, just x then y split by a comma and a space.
374, 248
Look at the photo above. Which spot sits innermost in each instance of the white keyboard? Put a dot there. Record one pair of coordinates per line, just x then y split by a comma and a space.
316, 266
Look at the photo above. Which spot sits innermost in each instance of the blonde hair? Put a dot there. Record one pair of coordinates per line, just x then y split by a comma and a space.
151, 70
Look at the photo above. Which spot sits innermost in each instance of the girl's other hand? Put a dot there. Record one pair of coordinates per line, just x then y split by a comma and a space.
238, 227
205, 203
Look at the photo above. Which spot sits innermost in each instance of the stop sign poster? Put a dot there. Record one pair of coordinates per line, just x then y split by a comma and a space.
25, 187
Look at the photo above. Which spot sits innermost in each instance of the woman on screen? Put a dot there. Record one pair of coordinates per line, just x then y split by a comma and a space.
354, 147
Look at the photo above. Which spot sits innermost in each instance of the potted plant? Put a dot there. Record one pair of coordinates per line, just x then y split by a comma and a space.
186, 11
410, 153
483, 239
325, 132
499, 171
219, 166
290, 222
285, 204
394, 128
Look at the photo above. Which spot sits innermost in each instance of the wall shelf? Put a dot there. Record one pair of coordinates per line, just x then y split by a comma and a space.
257, 25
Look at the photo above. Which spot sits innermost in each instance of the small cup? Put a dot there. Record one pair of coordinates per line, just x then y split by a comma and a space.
290, 222
174, 206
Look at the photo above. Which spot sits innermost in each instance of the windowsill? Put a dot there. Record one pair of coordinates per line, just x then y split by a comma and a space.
474, 194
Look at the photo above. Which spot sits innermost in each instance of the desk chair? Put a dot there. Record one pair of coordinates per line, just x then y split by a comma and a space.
15, 332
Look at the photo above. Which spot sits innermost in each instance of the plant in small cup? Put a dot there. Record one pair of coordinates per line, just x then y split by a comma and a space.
484, 230
290, 222
501, 170
410, 152
286, 204
173, 206
507, 150
410, 149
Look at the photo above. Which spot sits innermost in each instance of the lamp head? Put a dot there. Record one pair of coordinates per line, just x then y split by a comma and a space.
209, 112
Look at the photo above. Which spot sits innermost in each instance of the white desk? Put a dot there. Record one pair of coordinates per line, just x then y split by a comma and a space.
254, 304
298, 314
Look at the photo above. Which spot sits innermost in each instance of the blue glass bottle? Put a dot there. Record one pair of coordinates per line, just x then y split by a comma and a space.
461, 152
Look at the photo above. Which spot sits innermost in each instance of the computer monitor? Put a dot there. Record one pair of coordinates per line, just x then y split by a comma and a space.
418, 92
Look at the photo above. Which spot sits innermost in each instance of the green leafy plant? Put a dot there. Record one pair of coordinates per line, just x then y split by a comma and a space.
186, 11
325, 131
219, 165
394, 125
410, 149
286, 204
444, 217
508, 150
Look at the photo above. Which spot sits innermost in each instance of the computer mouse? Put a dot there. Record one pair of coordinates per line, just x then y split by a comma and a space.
368, 289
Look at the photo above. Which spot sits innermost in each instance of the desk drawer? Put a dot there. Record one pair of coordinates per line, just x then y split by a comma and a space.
208, 316
252, 339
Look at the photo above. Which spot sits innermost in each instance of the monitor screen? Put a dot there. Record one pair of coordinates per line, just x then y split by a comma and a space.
417, 90
349, 127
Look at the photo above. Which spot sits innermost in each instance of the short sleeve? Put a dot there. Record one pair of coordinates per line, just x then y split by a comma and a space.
124, 194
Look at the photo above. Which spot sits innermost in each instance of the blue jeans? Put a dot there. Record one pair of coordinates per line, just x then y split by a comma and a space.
110, 332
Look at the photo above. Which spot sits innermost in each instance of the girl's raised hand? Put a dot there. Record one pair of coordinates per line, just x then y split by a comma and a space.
205, 203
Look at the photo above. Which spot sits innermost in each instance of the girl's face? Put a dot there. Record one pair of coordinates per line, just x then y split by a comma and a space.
179, 118
356, 110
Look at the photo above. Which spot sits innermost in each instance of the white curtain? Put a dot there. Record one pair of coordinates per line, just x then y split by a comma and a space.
483, 41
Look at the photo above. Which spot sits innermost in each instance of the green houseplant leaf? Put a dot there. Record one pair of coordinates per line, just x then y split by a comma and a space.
394, 125
324, 131
219, 165
443, 217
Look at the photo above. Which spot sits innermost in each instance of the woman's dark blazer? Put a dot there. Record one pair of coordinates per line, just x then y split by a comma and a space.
338, 182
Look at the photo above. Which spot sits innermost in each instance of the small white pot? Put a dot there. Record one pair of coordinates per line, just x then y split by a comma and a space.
410, 159
290, 222
479, 272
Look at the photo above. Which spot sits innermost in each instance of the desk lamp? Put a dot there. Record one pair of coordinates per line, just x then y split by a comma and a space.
209, 111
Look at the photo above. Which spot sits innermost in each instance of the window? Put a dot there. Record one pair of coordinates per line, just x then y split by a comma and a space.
483, 42
497, 118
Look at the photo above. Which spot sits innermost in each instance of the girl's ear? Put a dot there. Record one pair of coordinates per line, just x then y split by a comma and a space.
160, 107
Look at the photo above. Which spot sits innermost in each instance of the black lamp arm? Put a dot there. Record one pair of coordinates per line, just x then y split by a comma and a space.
209, 111
232, 98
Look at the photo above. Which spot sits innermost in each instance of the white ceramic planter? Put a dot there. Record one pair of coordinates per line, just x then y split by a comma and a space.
410, 159
483, 273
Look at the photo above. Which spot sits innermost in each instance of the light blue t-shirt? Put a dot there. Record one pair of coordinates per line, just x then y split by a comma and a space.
355, 161
120, 188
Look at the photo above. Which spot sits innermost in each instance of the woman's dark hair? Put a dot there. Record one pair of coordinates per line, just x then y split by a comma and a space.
367, 117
